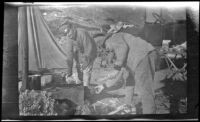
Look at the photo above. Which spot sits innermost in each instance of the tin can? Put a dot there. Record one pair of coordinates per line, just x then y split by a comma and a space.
165, 44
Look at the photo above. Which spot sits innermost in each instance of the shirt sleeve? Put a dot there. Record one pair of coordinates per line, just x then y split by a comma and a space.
115, 81
121, 52
120, 48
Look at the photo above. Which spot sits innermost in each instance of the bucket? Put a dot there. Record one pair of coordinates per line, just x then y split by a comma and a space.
34, 82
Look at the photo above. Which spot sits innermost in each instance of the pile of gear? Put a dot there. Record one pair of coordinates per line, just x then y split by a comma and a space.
107, 106
111, 106
175, 53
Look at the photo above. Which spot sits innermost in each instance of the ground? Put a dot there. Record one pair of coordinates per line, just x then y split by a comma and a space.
112, 99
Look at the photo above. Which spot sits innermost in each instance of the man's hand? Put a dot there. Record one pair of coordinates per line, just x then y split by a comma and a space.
99, 89
69, 79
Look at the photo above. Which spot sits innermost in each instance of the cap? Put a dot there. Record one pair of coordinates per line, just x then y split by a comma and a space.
65, 25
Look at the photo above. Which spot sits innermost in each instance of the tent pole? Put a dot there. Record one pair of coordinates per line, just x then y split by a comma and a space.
24, 40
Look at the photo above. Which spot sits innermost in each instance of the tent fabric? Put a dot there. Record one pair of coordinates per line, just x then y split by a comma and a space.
44, 51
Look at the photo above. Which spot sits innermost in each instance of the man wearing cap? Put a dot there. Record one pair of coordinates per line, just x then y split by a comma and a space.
84, 51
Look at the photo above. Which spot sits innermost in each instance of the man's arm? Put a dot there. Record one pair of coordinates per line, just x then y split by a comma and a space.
90, 49
67, 46
87, 47
77, 65
115, 81
121, 49
121, 52
126, 26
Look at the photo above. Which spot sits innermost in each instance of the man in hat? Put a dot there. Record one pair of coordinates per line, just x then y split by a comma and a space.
84, 51
135, 64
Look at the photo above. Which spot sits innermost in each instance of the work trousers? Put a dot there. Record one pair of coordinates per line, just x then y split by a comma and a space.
83, 74
144, 82
142, 92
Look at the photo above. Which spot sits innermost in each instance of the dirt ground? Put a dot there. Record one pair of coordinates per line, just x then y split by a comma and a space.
61, 90
162, 101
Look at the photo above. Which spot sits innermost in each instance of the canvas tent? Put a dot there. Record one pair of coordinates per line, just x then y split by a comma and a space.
43, 50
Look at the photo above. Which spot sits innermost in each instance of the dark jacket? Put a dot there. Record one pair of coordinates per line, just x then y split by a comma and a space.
86, 45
